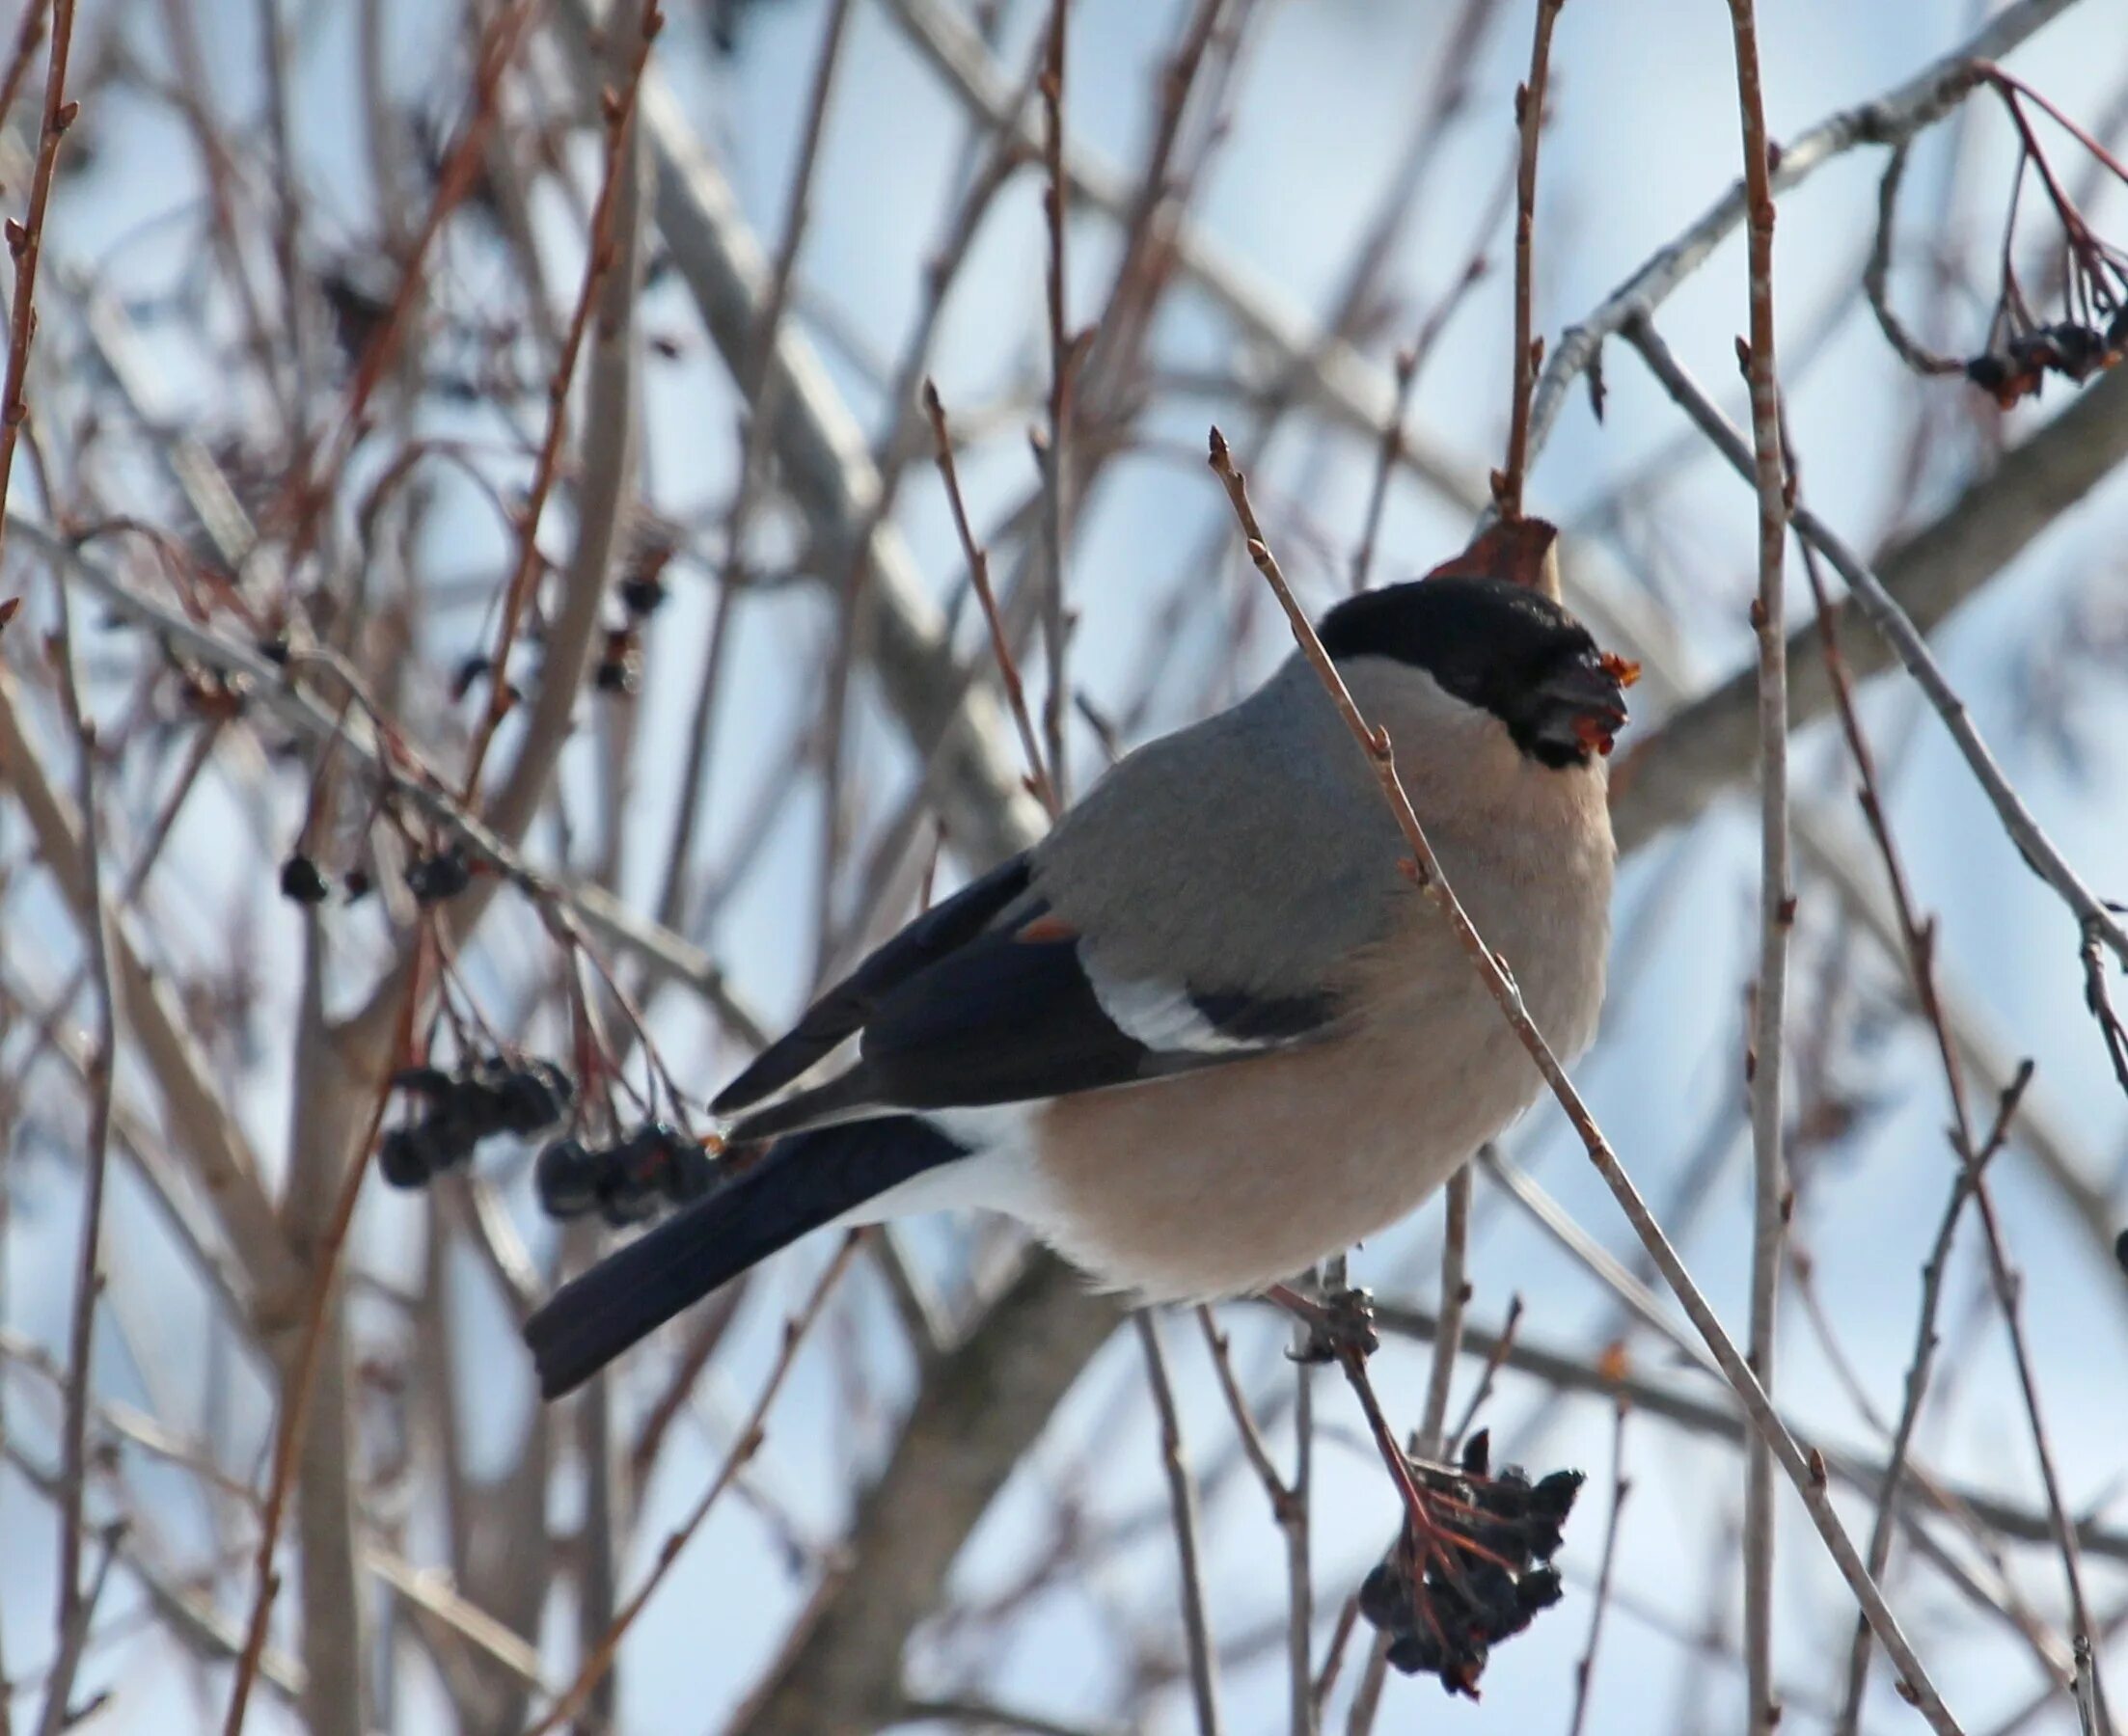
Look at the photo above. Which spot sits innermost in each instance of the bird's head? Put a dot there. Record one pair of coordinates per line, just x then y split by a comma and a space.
1498, 646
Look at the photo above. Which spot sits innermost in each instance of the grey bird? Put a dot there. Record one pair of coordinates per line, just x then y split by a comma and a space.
1208, 1031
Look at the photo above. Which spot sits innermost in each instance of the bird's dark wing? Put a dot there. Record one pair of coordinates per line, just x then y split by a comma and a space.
845, 1008
1006, 1018
1017, 1013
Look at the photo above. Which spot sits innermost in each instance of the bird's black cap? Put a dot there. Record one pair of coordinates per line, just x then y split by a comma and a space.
1489, 642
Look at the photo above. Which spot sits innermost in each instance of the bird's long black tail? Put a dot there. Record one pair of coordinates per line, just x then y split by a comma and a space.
805, 1181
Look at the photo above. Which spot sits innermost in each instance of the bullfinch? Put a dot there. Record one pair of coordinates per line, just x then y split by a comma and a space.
1208, 1031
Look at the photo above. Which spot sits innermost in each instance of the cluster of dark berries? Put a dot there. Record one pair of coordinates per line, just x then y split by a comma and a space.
619, 668
482, 1097
624, 1182
431, 879
1486, 1573
2016, 366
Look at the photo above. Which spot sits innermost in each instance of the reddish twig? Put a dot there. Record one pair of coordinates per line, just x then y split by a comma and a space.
1529, 349
27, 36
1876, 274
300, 1378
1053, 450
1502, 1347
616, 109
1407, 366
26, 242
307, 490
1039, 781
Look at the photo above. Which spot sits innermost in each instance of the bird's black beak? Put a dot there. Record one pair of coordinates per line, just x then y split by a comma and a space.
1580, 706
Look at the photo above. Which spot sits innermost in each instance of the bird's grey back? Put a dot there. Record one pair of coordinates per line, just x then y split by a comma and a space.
1266, 813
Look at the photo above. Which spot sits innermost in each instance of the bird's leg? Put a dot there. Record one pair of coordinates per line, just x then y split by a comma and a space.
1341, 1329
1343, 1321
1427, 1538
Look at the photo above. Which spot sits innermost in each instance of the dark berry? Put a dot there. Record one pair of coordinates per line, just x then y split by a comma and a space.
627, 1207
1478, 1453
2077, 350
649, 1154
1539, 1590
403, 1158
431, 1083
567, 1178
301, 881
690, 1175
618, 672
641, 592
1488, 1590
358, 315
532, 1096
1554, 1498
469, 671
1416, 1653
451, 1129
436, 878
1385, 1598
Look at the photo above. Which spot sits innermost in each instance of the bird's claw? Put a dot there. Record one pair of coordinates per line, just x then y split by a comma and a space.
1341, 1325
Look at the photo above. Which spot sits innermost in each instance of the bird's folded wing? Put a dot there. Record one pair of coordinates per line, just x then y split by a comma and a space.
1016, 1013
843, 1011
1012, 1016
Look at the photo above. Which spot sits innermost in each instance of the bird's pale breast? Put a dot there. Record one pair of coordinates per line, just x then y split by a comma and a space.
1227, 1180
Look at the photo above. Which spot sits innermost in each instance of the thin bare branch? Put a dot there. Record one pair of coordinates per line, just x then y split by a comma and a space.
26, 239
1181, 1494
1766, 1066
1529, 348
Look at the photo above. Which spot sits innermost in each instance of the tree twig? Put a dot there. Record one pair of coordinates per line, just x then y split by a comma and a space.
1898, 114
1529, 348
74, 1603
1053, 453
1907, 642
1182, 1495
1455, 1298
1620, 1487
300, 1375
1765, 1067
978, 572
1289, 1508
742, 1449
26, 239
616, 110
